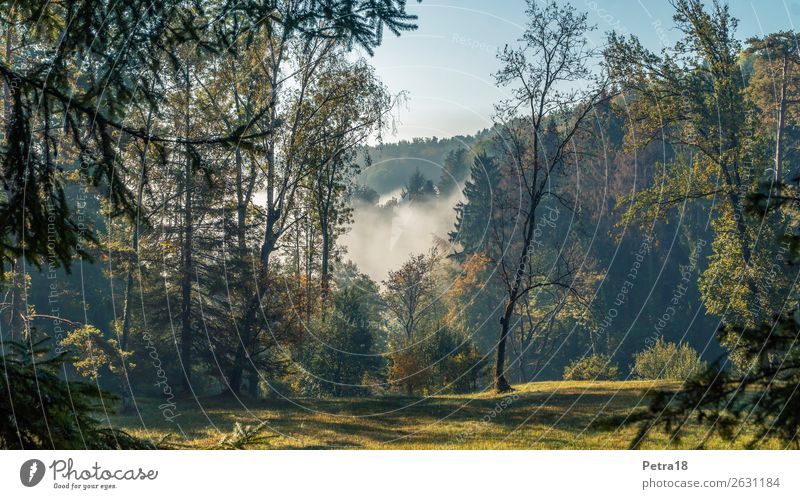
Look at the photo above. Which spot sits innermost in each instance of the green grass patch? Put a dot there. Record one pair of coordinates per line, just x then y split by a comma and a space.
543, 415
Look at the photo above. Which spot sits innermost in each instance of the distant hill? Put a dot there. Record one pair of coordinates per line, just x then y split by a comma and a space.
390, 166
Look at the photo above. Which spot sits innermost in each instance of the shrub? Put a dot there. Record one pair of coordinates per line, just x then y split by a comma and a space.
410, 370
32, 375
245, 436
667, 361
456, 362
443, 362
593, 367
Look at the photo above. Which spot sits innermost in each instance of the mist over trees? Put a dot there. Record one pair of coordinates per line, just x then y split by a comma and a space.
199, 202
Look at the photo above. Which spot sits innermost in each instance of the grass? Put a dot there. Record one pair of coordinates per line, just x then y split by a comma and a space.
543, 415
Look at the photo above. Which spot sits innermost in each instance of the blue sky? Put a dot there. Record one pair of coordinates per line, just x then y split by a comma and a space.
446, 65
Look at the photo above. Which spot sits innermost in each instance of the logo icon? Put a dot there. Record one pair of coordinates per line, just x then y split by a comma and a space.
31, 472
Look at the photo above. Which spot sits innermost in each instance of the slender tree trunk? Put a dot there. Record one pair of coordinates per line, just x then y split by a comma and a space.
6, 88
237, 369
16, 322
500, 382
326, 242
273, 216
252, 383
186, 284
235, 378
126, 311
781, 123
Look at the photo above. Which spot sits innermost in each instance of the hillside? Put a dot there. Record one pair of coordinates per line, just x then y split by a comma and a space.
386, 168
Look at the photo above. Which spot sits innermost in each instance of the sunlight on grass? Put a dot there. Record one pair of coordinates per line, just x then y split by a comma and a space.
544, 415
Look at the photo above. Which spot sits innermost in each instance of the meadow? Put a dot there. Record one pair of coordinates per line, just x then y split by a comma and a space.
539, 415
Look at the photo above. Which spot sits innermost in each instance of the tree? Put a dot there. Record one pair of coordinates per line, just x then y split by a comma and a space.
350, 104
664, 360
755, 229
418, 188
291, 87
539, 126
764, 397
693, 98
411, 294
774, 85
92, 73
456, 169
94, 354
479, 207
344, 353
31, 375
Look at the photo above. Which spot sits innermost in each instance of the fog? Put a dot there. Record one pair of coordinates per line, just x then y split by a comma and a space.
381, 238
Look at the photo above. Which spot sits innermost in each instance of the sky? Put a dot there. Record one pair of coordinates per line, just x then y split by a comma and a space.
446, 65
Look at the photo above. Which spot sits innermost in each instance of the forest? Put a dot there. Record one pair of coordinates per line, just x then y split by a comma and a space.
210, 239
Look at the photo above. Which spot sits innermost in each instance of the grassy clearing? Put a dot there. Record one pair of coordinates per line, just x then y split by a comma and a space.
545, 415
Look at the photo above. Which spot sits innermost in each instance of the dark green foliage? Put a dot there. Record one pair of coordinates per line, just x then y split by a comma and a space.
40, 410
456, 170
473, 215
343, 356
458, 365
763, 395
388, 167
364, 194
116, 52
418, 188
764, 401
753, 389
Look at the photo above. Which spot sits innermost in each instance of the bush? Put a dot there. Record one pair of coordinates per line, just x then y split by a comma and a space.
33, 375
444, 362
667, 361
596, 367
410, 370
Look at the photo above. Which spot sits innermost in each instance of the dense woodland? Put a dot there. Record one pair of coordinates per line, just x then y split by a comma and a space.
179, 182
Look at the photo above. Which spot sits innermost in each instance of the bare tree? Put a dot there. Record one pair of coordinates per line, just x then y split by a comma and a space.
410, 293
552, 93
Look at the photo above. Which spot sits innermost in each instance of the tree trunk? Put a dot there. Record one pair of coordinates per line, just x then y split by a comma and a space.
126, 311
235, 378
500, 382
781, 124
252, 383
326, 241
273, 212
186, 284
237, 369
6, 88
16, 323
501, 385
